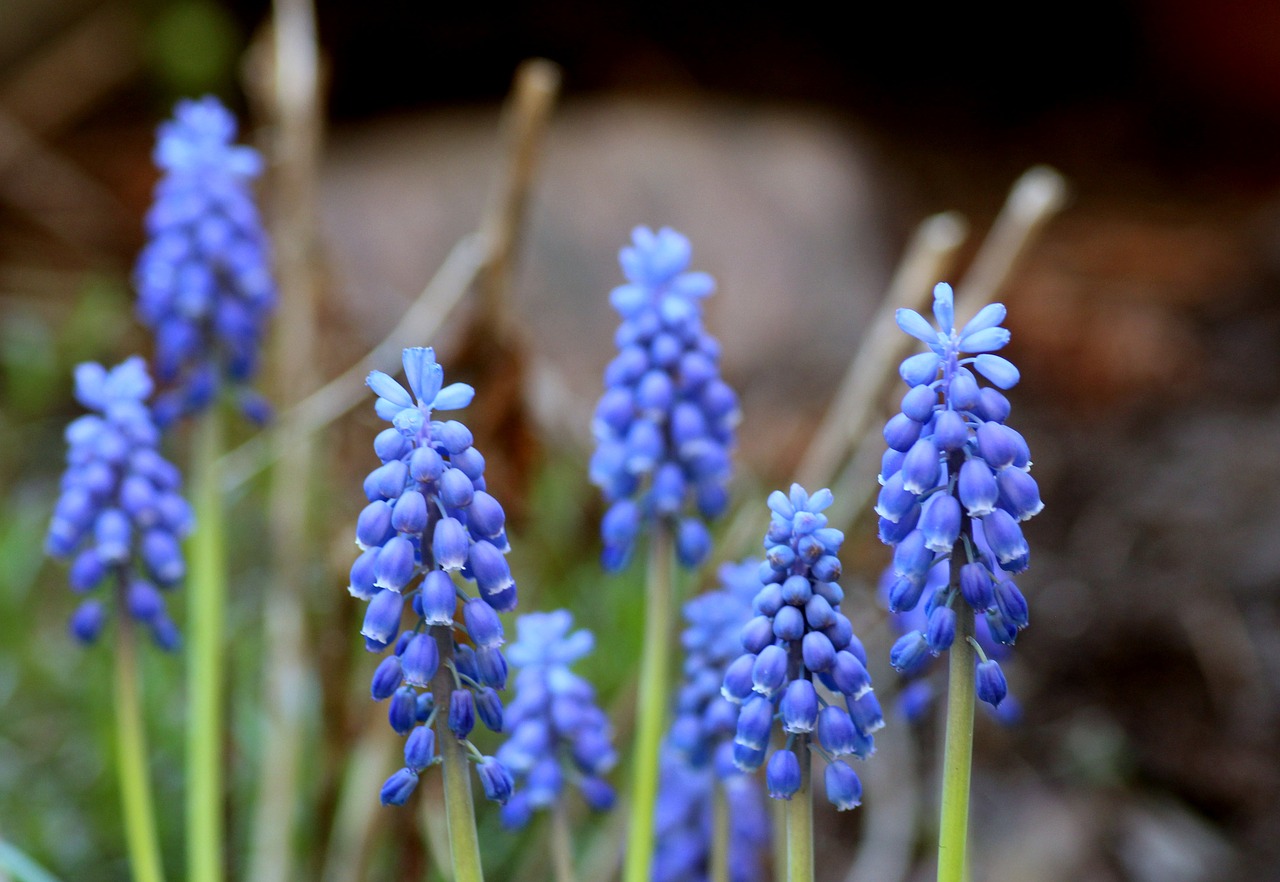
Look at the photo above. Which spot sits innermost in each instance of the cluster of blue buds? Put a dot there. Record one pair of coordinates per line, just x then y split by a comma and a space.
698, 753
557, 732
120, 514
797, 636
665, 424
204, 281
429, 517
955, 487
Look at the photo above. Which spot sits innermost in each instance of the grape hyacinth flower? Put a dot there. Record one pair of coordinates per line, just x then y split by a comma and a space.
697, 757
557, 734
955, 488
429, 517
799, 638
665, 425
204, 282
120, 516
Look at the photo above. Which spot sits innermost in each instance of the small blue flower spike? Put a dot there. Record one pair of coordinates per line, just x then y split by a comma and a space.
797, 641
430, 517
558, 735
204, 278
697, 756
955, 482
120, 516
665, 425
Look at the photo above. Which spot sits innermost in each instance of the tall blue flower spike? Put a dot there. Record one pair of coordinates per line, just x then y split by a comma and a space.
665, 425
120, 514
430, 517
955, 487
698, 754
798, 637
557, 733
204, 281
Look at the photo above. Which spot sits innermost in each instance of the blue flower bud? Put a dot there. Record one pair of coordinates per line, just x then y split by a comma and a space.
912, 558
829, 591
491, 665
489, 568
940, 523
844, 790
449, 544
373, 526
849, 676
737, 678
891, 533
941, 631
818, 613
997, 444
904, 593
362, 575
113, 534
485, 518
992, 406
387, 678
754, 722
495, 779
462, 713
164, 633
439, 598
920, 467
1002, 630
866, 714
919, 369
87, 570
382, 617
143, 601
390, 444
757, 634
420, 660
452, 435
456, 489
483, 624
693, 542
918, 403
489, 708
901, 432
975, 586
389, 478
909, 652
402, 713
420, 748
1006, 540
999, 371
836, 732
977, 488
394, 566
88, 620
1011, 603
597, 793
1019, 494
818, 653
911, 322
770, 671
426, 465
768, 600
991, 684
950, 431
964, 393
782, 775
470, 462
827, 569
799, 707
399, 787
409, 514
788, 624
796, 590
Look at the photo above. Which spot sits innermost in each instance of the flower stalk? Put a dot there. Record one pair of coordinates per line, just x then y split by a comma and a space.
799, 813
958, 752
459, 806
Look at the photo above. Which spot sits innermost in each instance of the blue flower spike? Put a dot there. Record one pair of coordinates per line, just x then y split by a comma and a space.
956, 499
697, 756
799, 640
433, 544
558, 734
665, 425
120, 516
204, 278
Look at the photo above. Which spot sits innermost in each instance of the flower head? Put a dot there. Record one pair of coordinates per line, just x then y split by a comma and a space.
204, 281
430, 517
799, 638
665, 424
557, 733
955, 482
120, 515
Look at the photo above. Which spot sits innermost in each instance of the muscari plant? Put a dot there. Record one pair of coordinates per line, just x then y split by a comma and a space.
205, 290
955, 486
119, 518
664, 429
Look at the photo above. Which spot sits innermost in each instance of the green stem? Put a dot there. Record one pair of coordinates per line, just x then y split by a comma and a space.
562, 844
459, 807
131, 759
651, 710
719, 835
800, 821
958, 755
207, 607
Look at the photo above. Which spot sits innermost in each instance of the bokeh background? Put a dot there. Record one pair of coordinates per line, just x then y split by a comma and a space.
798, 155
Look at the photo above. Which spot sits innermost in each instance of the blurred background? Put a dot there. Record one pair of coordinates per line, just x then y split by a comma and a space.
798, 156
